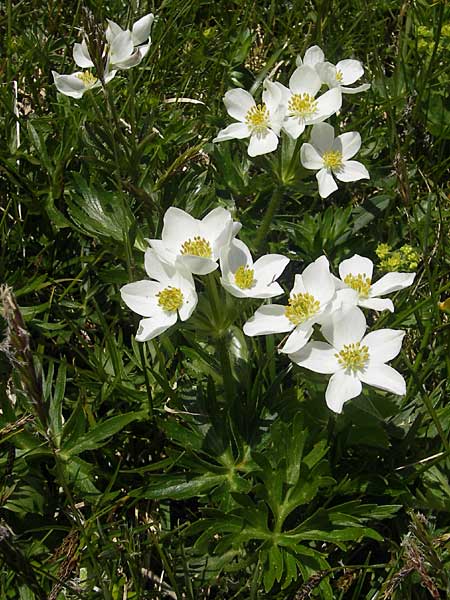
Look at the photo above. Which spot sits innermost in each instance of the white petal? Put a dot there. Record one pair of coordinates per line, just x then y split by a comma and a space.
112, 31
238, 102
69, 85
132, 61
322, 137
140, 296
328, 74
383, 344
121, 47
351, 170
271, 96
384, 377
179, 226
298, 338
392, 282
269, 267
356, 265
235, 131
262, 143
319, 357
347, 325
348, 143
327, 184
155, 268
151, 328
341, 387
269, 318
190, 300
310, 158
234, 256
217, 226
285, 92
318, 280
355, 90
262, 291
304, 80
378, 304
166, 255
351, 70
81, 55
197, 264
141, 29
294, 126
327, 104
313, 56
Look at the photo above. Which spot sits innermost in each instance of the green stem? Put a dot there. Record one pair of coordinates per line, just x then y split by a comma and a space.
147, 382
268, 218
222, 350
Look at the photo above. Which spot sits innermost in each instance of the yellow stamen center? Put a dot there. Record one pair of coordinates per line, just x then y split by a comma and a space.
353, 356
332, 159
244, 278
302, 106
197, 246
359, 282
257, 118
339, 76
301, 307
87, 78
170, 299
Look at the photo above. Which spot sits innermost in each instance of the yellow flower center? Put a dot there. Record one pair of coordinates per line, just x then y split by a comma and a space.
359, 282
302, 105
87, 78
353, 356
170, 299
301, 307
197, 246
257, 118
244, 278
332, 159
339, 76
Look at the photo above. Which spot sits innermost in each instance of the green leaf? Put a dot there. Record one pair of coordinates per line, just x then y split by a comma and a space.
97, 435
178, 487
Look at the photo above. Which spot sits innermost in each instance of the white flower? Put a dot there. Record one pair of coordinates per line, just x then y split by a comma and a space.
356, 273
195, 244
309, 301
260, 122
77, 83
330, 156
243, 278
313, 56
127, 48
300, 104
351, 358
341, 75
168, 294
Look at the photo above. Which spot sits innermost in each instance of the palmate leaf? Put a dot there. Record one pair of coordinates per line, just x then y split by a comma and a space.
99, 213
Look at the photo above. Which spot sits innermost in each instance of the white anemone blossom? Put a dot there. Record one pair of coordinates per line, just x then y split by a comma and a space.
300, 103
260, 122
309, 302
356, 273
76, 84
243, 278
331, 156
127, 48
168, 294
193, 243
351, 358
342, 74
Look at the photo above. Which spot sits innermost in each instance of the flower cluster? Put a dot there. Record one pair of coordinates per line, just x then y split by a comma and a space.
318, 301
291, 109
124, 49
